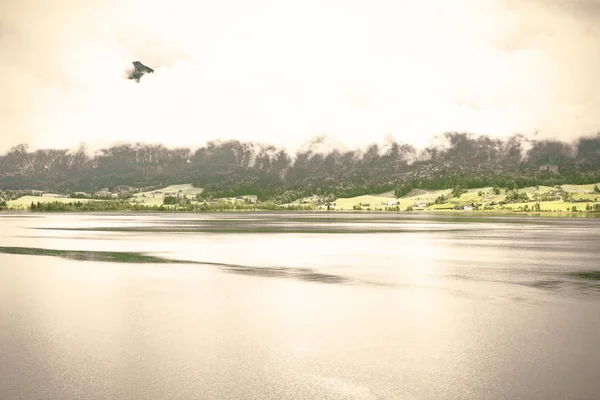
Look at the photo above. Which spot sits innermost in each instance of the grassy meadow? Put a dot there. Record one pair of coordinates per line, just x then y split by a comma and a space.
157, 197
483, 196
418, 200
23, 203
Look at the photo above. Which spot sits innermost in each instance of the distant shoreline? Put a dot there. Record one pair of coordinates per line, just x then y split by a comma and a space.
562, 200
457, 213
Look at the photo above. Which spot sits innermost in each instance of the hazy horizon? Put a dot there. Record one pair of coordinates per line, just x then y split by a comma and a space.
322, 145
274, 73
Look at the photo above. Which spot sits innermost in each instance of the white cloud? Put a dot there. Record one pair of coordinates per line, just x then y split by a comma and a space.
282, 72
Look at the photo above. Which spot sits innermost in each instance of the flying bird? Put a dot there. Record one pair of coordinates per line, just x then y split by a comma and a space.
138, 71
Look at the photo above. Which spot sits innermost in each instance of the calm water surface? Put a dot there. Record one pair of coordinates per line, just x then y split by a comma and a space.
300, 306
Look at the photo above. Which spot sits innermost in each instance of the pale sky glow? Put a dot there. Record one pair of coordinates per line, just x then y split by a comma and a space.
281, 72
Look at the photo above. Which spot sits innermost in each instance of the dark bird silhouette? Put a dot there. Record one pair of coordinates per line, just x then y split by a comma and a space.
138, 71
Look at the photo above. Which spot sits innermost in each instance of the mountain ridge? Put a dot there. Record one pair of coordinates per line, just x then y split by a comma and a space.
231, 168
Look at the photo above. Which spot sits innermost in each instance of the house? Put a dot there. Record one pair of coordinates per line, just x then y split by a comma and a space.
366, 204
423, 204
558, 194
105, 194
468, 207
392, 203
251, 198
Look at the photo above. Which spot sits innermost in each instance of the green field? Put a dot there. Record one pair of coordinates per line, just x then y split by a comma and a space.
375, 202
157, 197
549, 206
580, 188
23, 203
483, 197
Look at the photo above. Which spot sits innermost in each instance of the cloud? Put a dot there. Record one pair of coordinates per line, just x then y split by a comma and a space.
283, 72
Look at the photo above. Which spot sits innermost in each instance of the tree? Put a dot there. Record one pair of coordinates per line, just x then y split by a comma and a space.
596, 189
458, 191
170, 200
403, 190
516, 196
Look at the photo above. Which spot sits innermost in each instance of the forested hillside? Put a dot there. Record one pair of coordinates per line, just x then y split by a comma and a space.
234, 168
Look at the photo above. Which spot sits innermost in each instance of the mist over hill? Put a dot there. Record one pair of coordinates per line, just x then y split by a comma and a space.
231, 168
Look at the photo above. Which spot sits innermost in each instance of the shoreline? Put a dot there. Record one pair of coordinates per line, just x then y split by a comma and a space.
490, 213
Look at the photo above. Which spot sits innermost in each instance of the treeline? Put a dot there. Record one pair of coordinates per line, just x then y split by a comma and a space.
233, 168
114, 205
106, 205
509, 180
512, 181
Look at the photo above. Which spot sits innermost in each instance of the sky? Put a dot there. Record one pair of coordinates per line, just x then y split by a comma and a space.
284, 72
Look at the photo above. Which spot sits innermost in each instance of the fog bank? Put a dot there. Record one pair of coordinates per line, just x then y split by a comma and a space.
283, 73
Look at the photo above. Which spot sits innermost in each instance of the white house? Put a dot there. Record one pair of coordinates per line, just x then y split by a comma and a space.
468, 207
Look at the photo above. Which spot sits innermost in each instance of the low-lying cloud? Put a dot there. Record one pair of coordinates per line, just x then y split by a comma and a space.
284, 72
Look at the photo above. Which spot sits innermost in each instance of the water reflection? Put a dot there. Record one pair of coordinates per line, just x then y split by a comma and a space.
489, 309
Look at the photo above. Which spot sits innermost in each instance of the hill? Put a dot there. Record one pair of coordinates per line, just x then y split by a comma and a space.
233, 168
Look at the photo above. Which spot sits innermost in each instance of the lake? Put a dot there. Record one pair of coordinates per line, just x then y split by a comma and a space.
298, 306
